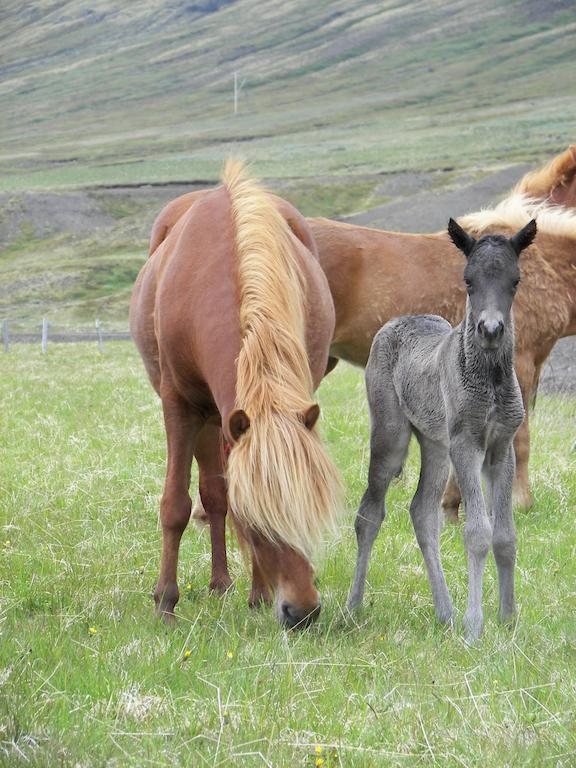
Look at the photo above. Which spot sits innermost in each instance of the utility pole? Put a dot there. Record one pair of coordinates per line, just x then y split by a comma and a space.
237, 89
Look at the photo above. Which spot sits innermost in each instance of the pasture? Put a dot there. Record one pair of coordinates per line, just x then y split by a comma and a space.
88, 677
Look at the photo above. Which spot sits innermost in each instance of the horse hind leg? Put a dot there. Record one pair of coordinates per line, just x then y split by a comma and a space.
182, 427
425, 512
389, 442
213, 495
528, 375
451, 499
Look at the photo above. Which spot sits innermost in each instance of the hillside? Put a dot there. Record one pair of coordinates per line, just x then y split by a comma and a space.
104, 93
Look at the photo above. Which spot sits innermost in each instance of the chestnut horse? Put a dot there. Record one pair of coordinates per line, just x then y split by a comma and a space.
376, 275
233, 318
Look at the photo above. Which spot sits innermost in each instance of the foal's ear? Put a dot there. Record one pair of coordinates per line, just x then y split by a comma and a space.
238, 423
524, 237
461, 238
310, 416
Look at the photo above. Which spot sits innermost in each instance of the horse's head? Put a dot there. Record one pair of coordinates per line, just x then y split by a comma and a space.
491, 275
289, 575
284, 493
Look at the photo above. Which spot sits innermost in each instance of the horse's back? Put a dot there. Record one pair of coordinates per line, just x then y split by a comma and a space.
404, 358
411, 336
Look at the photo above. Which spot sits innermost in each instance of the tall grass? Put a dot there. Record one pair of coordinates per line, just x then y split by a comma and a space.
89, 678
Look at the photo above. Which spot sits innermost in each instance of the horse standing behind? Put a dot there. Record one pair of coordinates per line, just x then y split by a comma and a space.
457, 391
233, 318
376, 275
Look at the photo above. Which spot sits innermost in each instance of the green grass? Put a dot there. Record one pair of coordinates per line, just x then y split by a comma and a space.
80, 480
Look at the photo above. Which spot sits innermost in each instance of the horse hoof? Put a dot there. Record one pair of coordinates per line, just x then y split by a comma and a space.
166, 614
522, 499
221, 585
451, 515
445, 617
473, 626
259, 598
199, 514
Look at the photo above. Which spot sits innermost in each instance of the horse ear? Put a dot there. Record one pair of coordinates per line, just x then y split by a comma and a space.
310, 416
524, 237
461, 238
238, 423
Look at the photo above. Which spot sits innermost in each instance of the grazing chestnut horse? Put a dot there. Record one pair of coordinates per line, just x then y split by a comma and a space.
376, 275
233, 318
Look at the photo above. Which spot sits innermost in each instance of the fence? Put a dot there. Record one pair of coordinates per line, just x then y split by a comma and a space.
46, 332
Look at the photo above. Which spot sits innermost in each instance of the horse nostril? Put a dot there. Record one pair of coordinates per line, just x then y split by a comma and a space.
298, 618
490, 330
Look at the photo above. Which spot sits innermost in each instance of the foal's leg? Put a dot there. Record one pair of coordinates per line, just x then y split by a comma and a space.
425, 513
213, 493
500, 475
182, 426
527, 374
467, 463
388, 447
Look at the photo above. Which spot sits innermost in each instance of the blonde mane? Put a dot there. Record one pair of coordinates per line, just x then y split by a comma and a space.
281, 481
540, 183
516, 210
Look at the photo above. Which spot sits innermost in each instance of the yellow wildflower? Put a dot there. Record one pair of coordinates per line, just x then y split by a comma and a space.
92, 630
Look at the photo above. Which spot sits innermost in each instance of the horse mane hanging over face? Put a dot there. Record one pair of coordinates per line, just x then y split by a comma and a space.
516, 211
281, 482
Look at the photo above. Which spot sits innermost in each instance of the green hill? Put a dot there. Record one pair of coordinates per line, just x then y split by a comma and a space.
105, 92
99, 94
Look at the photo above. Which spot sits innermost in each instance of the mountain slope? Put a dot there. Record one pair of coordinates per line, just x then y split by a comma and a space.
93, 92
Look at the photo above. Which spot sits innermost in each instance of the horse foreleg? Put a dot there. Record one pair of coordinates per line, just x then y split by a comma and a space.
467, 464
214, 498
500, 477
182, 427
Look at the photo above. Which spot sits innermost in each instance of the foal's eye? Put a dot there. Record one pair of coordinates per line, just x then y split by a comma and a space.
468, 286
515, 284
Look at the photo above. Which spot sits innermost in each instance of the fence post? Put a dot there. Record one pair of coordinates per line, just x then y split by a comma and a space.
99, 333
6, 335
44, 334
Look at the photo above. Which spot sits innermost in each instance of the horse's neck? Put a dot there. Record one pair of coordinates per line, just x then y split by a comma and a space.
495, 366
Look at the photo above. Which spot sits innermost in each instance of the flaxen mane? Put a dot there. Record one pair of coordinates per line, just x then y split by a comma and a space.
539, 184
516, 210
281, 481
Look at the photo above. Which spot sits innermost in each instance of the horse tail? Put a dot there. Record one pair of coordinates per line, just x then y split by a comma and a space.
281, 481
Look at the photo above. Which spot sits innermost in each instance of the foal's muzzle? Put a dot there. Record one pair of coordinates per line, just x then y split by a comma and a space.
490, 332
297, 618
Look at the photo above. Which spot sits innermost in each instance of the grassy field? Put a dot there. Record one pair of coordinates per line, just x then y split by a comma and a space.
88, 677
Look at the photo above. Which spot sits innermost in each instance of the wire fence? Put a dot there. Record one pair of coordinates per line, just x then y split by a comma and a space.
46, 331
558, 374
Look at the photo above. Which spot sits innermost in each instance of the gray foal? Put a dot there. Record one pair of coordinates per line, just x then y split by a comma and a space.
456, 390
